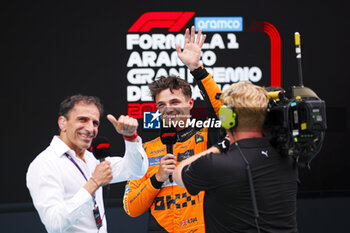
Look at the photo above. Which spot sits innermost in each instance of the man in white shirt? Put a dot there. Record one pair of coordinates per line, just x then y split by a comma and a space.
65, 179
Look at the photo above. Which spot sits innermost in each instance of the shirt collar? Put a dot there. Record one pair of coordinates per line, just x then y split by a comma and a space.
185, 134
60, 148
252, 142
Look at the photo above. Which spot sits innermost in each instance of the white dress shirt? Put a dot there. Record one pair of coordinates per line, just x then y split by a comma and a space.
56, 185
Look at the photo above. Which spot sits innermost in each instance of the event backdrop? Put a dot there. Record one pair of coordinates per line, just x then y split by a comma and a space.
51, 50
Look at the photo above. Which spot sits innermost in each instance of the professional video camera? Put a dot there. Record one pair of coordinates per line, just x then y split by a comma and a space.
296, 121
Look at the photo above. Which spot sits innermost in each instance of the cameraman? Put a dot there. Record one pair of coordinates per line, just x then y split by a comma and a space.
229, 202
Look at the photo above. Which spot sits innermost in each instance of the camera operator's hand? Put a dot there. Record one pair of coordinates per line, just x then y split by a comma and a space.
125, 125
191, 53
166, 167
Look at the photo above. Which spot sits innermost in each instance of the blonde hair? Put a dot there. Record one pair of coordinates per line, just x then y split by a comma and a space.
249, 102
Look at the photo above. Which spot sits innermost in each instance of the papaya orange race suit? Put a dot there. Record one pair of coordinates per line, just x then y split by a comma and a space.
171, 207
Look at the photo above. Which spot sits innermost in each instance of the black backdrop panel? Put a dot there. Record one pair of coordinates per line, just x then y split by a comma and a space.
52, 50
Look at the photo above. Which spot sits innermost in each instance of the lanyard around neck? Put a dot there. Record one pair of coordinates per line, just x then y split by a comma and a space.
81, 171
96, 211
75, 163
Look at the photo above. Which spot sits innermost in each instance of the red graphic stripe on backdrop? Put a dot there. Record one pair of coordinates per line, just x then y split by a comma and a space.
275, 47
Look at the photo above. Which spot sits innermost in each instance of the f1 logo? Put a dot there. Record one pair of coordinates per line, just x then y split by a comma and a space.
168, 134
175, 21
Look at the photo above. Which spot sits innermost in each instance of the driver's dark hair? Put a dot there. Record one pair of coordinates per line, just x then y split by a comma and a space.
171, 82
